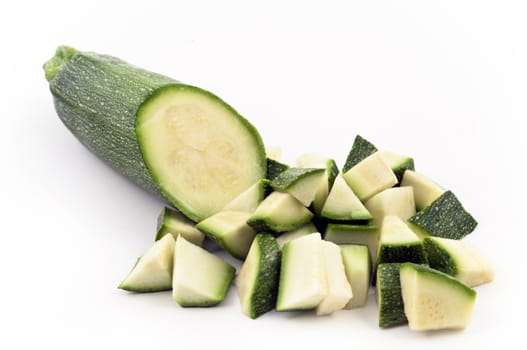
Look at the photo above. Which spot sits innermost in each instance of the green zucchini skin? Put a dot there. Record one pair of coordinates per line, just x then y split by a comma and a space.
266, 286
97, 97
389, 298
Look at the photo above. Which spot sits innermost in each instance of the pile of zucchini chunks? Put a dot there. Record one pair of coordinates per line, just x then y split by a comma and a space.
312, 237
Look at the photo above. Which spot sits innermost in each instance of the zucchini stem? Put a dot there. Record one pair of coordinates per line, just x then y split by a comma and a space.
62, 55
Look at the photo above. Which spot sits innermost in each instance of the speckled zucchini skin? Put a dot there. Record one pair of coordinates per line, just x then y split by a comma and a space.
275, 168
97, 97
409, 252
445, 217
265, 290
389, 298
360, 150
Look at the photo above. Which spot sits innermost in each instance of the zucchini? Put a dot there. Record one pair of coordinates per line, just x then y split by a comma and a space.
170, 138
397, 201
172, 222
303, 282
342, 204
434, 300
398, 243
279, 212
360, 150
310, 160
299, 232
230, 230
370, 176
425, 190
199, 278
338, 288
445, 217
458, 259
355, 234
257, 282
301, 183
152, 271
357, 264
389, 297
249, 200
398, 162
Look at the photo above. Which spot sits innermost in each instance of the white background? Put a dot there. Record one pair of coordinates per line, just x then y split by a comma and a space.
443, 81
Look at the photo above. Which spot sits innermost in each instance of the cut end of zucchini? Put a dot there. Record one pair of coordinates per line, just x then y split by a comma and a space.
196, 147
62, 55
434, 300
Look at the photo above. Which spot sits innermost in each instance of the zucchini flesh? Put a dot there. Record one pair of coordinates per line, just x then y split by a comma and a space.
200, 278
303, 282
172, 139
152, 271
434, 300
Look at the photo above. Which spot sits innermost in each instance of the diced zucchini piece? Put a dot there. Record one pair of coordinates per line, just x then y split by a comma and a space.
310, 160
360, 150
200, 278
301, 183
274, 168
303, 282
299, 232
248, 200
339, 290
445, 217
398, 162
273, 152
230, 230
425, 190
397, 201
398, 243
257, 282
458, 259
389, 298
357, 264
175, 223
279, 212
434, 300
370, 176
343, 204
153, 271
355, 234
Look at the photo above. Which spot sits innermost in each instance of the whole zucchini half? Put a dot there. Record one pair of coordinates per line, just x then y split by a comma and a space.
170, 138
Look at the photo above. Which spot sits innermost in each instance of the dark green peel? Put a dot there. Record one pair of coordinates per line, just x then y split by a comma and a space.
360, 150
445, 217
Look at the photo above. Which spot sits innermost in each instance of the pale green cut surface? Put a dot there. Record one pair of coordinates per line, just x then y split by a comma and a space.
153, 271
199, 278
201, 153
